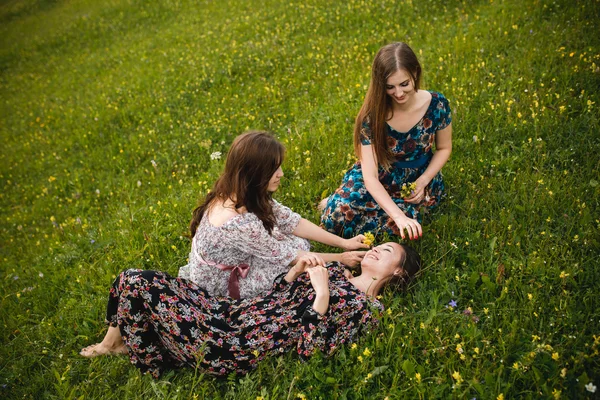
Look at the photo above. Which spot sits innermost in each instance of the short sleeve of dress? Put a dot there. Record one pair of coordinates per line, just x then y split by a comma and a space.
365, 132
285, 218
443, 113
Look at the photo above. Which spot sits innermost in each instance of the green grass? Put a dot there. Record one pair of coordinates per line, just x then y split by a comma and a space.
92, 93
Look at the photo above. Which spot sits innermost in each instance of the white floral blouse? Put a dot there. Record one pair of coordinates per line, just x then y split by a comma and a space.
244, 240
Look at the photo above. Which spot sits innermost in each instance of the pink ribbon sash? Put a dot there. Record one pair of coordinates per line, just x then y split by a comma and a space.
237, 271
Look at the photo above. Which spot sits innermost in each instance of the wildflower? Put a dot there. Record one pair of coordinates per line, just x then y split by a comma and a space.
369, 239
301, 396
500, 397
215, 155
535, 338
256, 353
516, 366
563, 372
418, 377
590, 387
153, 163
360, 358
529, 296
486, 311
407, 189
41, 275
354, 346
367, 352
459, 348
556, 393
555, 356
457, 377
452, 304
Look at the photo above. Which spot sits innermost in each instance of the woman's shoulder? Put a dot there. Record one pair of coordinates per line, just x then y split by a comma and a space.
437, 97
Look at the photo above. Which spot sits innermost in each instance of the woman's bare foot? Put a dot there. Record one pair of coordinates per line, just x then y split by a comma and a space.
100, 349
322, 204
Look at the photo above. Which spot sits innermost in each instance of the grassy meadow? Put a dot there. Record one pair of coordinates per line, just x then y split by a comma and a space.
111, 110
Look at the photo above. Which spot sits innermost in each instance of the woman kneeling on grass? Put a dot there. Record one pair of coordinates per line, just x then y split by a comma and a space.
242, 237
398, 175
165, 322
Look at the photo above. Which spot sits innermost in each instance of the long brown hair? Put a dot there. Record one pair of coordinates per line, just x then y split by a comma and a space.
375, 109
252, 160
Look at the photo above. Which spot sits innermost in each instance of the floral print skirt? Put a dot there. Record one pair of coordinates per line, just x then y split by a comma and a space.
351, 210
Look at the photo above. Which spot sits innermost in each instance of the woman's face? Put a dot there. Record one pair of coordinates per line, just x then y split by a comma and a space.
275, 180
399, 86
383, 260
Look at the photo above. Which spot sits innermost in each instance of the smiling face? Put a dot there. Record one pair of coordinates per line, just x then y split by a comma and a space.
384, 260
275, 180
400, 87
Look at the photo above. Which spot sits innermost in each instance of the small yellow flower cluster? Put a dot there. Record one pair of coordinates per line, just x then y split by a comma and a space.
407, 189
369, 239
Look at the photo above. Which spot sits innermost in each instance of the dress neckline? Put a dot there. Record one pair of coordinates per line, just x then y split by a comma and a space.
419, 121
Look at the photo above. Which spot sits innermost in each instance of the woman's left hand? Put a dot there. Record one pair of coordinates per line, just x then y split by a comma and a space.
319, 279
418, 195
352, 258
355, 243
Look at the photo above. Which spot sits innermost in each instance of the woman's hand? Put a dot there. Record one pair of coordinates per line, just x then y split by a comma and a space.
412, 227
418, 195
319, 279
352, 258
302, 264
355, 243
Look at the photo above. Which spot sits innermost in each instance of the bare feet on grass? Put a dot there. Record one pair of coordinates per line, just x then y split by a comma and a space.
101, 349
111, 345
322, 204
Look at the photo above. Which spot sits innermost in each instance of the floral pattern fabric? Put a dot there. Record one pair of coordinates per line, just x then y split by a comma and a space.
244, 240
169, 322
351, 209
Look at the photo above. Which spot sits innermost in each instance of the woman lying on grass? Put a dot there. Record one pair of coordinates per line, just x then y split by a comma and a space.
242, 238
165, 322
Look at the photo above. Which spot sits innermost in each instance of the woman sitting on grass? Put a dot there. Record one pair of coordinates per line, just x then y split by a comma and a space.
241, 237
397, 176
164, 322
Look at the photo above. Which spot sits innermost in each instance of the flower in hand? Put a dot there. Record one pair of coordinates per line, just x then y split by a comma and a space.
407, 189
369, 239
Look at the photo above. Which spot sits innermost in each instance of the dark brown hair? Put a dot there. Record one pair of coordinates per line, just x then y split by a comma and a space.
410, 264
375, 109
252, 160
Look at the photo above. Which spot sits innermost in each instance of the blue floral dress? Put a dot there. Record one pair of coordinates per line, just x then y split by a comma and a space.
351, 209
169, 322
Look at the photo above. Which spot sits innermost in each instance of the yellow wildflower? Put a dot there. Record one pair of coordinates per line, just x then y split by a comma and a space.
457, 377
418, 377
369, 239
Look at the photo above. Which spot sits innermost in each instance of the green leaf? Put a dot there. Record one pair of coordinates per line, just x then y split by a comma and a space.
408, 368
378, 370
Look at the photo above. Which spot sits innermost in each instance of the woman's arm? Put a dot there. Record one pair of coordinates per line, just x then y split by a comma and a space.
375, 188
310, 231
319, 279
443, 149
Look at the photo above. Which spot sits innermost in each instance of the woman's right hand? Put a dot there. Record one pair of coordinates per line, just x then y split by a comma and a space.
412, 227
